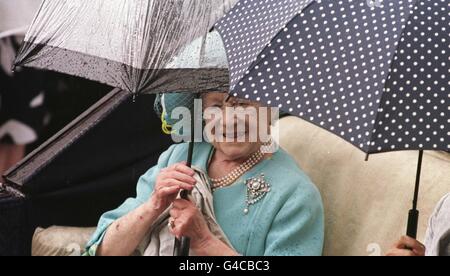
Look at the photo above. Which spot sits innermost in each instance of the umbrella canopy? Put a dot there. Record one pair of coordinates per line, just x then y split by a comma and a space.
375, 75
16, 16
129, 44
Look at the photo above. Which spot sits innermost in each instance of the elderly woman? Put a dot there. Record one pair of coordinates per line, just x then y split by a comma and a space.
261, 204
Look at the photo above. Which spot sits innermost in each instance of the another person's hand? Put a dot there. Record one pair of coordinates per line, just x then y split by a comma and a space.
169, 183
407, 247
186, 220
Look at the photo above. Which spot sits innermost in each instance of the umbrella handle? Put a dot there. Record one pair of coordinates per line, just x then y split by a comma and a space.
413, 223
183, 246
413, 218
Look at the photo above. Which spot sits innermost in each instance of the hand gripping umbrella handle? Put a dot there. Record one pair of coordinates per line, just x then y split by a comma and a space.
182, 246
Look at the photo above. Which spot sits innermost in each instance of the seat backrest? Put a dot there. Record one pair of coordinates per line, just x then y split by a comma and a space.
366, 203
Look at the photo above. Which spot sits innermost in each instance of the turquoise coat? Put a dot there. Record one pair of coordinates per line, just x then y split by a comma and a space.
288, 220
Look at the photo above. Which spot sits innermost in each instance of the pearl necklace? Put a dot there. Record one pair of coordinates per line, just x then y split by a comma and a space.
234, 175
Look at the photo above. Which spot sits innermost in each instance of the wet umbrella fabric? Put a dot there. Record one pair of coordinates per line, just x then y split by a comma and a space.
128, 44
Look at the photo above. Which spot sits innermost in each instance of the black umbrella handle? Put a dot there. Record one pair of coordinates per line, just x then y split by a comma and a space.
413, 223
183, 246
413, 218
185, 243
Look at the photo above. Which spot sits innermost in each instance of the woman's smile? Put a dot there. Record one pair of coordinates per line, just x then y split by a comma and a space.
235, 136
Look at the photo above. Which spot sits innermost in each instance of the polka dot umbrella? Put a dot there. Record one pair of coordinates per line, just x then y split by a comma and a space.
375, 73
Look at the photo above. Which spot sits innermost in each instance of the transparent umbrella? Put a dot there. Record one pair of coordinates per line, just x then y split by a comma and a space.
127, 44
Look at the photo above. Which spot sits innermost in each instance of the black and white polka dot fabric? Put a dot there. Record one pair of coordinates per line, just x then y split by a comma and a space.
250, 27
376, 73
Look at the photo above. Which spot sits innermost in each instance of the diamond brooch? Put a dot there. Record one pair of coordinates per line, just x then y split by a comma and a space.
257, 188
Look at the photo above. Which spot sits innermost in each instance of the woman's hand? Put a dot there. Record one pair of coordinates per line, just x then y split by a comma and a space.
407, 247
169, 183
186, 220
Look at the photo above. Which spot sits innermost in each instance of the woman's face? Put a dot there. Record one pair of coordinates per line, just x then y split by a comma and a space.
236, 121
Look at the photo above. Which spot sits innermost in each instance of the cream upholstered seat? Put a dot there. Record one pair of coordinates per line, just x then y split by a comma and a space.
60, 241
366, 203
